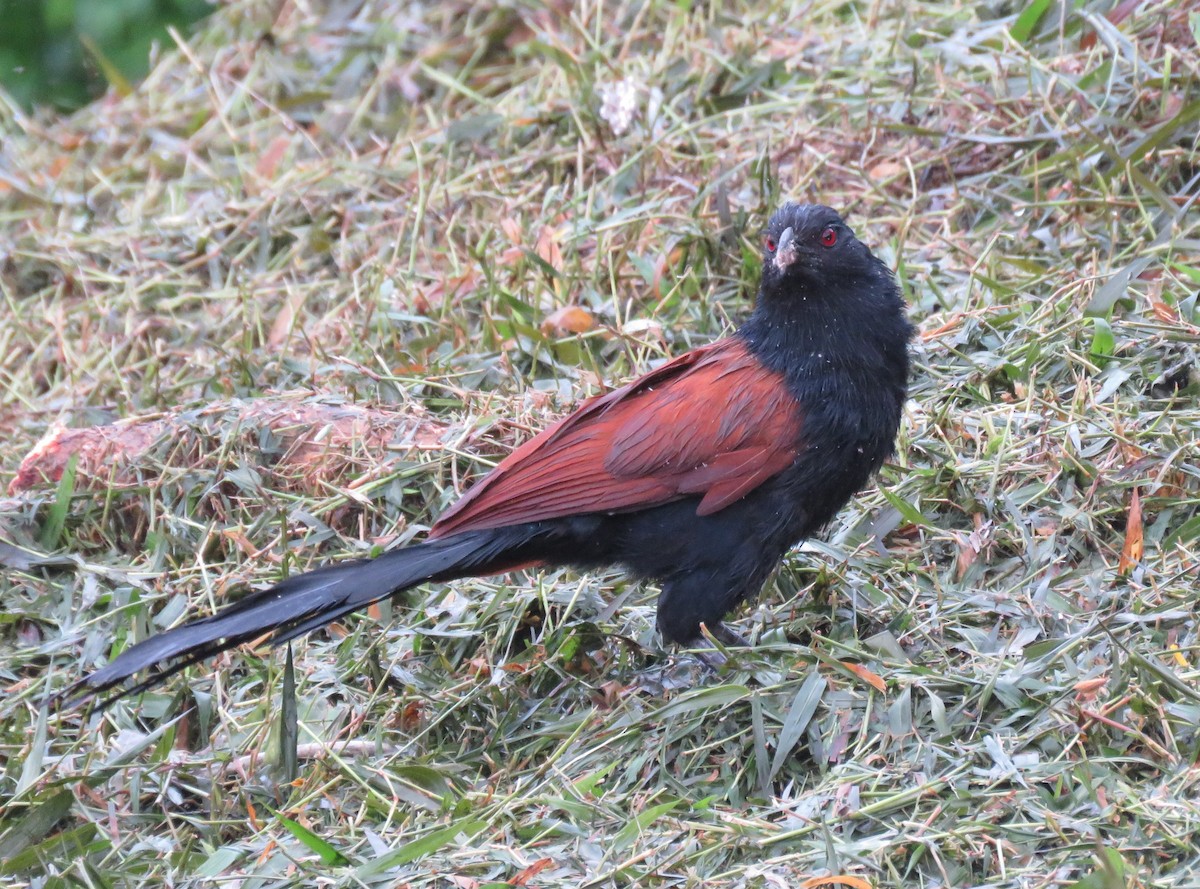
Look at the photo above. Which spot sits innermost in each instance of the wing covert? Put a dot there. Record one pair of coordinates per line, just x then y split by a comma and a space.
713, 422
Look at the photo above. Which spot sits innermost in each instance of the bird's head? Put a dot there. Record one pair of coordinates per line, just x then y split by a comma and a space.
808, 247
825, 300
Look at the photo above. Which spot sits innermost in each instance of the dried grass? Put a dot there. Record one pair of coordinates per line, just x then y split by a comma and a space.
984, 673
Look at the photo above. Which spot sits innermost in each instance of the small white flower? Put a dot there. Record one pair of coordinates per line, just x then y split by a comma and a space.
619, 103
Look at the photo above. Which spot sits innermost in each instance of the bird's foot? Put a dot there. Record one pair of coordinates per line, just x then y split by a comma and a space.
701, 657
712, 642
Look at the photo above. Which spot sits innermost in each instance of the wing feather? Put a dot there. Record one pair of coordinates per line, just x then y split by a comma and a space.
713, 422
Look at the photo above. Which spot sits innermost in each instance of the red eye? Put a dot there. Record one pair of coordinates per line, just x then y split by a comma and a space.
829, 237
770, 242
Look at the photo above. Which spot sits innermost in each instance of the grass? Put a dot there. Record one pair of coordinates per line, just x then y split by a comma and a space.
984, 673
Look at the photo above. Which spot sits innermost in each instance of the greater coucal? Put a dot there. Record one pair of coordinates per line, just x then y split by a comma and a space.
701, 474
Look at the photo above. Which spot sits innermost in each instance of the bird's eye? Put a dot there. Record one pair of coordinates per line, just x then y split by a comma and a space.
770, 242
829, 237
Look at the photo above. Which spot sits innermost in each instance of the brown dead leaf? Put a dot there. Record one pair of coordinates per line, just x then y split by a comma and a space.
60, 163
568, 319
966, 556
971, 546
241, 541
886, 170
1131, 552
453, 288
953, 325
412, 716
268, 161
835, 880
512, 230
510, 256
1131, 454
1164, 312
282, 325
1087, 690
871, 678
666, 260
1171, 105
523, 878
548, 248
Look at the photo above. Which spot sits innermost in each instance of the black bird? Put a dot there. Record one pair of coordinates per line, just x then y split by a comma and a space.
700, 474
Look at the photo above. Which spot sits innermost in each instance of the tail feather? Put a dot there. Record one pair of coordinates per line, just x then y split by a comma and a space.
300, 605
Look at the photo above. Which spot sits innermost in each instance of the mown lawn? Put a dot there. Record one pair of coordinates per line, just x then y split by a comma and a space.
416, 232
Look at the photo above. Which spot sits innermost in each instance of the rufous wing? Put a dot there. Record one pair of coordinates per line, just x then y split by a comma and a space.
713, 422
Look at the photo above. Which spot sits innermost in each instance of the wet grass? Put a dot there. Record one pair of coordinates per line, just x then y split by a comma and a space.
984, 673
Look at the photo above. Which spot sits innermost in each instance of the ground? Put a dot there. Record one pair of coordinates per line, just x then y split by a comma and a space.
452, 222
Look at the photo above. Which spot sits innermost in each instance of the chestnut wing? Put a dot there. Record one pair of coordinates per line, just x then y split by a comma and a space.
713, 422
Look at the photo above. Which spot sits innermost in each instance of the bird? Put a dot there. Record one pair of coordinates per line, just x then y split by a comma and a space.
701, 474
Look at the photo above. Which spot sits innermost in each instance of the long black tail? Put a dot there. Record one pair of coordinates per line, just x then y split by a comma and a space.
304, 603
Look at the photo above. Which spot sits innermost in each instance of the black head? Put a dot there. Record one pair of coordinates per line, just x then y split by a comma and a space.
808, 247
825, 300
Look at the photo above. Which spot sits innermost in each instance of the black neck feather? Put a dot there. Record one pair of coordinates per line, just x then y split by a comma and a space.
852, 330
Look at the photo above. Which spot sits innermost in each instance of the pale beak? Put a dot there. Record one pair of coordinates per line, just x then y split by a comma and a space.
785, 253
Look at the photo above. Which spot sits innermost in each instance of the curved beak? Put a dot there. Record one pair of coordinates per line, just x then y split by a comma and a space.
786, 252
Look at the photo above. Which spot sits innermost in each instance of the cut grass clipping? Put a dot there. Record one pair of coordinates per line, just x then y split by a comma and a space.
422, 231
